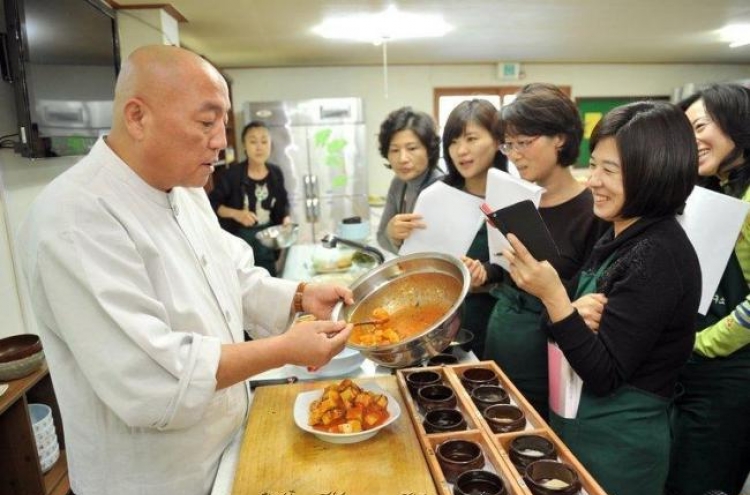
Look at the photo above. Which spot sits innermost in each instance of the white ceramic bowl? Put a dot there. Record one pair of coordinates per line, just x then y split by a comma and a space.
343, 363
41, 418
302, 415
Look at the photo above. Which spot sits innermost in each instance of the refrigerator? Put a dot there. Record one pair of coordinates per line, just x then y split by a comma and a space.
320, 145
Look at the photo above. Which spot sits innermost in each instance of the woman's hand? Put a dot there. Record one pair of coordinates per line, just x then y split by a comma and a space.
400, 226
591, 307
245, 217
476, 270
314, 343
319, 299
538, 278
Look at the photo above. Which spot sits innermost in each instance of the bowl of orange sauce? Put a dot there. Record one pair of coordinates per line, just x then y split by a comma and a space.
407, 309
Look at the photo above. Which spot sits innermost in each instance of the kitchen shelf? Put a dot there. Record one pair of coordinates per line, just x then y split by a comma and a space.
20, 471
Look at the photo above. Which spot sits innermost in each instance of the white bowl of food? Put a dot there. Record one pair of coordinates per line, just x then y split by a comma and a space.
336, 431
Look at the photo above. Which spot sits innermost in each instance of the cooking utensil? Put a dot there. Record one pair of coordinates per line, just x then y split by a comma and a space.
403, 282
272, 381
278, 236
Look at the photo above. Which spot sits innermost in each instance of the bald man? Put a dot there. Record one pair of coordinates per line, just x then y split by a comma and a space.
141, 298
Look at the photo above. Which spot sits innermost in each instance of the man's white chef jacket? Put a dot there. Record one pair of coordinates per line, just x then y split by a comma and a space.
134, 291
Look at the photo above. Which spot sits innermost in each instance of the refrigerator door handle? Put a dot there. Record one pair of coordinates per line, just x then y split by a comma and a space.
311, 186
312, 209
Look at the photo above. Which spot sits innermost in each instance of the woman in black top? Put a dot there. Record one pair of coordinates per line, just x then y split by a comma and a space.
542, 131
250, 195
628, 356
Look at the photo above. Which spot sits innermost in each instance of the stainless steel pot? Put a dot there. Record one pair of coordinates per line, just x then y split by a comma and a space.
401, 282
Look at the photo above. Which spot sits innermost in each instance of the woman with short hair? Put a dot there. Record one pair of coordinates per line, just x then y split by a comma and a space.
409, 141
642, 171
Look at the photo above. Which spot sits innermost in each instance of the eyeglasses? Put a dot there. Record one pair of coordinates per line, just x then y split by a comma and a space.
518, 146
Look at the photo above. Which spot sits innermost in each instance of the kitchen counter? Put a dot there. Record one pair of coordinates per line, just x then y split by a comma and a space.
230, 459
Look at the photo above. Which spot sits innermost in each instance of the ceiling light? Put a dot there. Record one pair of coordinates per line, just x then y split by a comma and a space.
384, 26
736, 35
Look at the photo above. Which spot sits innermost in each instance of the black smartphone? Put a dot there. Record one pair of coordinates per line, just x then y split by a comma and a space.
523, 220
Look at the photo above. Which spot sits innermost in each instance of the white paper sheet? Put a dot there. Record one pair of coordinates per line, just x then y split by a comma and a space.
712, 222
452, 217
565, 386
504, 190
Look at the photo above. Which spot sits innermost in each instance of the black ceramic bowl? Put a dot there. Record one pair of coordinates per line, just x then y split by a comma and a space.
485, 396
551, 478
442, 420
458, 456
442, 360
462, 341
504, 418
526, 449
476, 376
478, 481
419, 379
434, 397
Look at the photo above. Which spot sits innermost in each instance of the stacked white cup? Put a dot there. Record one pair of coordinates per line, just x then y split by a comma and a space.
47, 446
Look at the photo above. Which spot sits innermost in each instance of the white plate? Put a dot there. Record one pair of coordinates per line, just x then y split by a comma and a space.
342, 363
302, 414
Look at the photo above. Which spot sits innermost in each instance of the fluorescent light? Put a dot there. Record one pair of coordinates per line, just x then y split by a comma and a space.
736, 35
384, 26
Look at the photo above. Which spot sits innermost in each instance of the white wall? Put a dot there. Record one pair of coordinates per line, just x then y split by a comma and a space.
413, 85
22, 179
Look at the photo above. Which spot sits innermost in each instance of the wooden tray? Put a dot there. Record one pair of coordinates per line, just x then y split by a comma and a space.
478, 430
278, 458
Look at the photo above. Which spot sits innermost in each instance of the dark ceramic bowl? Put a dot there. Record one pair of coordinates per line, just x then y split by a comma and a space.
462, 341
458, 456
434, 397
442, 360
18, 347
485, 396
477, 482
442, 420
474, 377
526, 449
504, 418
551, 478
419, 379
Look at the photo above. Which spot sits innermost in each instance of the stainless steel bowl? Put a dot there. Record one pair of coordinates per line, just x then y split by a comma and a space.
278, 236
384, 286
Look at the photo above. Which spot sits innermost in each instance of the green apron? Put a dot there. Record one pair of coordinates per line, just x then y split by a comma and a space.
477, 305
711, 449
517, 342
622, 439
264, 257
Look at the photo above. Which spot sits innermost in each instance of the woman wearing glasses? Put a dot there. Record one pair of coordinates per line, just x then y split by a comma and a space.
409, 141
543, 134
471, 139
711, 427
642, 170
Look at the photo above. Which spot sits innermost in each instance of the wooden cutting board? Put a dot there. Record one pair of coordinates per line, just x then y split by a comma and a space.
278, 458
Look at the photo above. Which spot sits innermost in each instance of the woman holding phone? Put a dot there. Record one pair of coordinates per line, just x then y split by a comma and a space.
642, 170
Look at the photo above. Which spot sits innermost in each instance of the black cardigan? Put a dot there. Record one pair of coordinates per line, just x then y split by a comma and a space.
232, 186
647, 329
